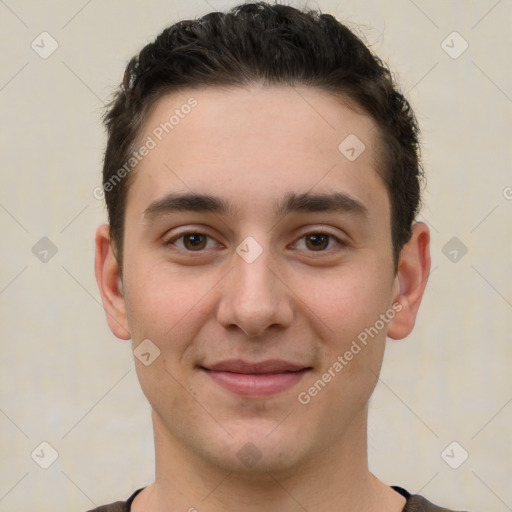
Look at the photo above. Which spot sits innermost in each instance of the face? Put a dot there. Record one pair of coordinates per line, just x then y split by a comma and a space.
258, 262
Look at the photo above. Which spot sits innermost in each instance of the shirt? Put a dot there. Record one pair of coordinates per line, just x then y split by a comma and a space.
415, 503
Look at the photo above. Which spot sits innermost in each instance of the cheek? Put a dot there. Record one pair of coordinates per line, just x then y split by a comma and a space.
167, 306
163, 307
170, 396
346, 301
156, 298
347, 306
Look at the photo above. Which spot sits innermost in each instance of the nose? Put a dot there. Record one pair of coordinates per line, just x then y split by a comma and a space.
254, 296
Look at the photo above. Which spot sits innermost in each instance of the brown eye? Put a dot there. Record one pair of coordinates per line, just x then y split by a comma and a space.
191, 241
196, 241
317, 241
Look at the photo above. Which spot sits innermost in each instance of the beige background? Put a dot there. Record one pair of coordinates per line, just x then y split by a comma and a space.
66, 380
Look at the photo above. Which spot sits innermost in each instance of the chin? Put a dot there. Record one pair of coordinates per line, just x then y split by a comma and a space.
249, 445
257, 449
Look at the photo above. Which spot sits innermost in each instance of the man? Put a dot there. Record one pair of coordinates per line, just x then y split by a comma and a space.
262, 179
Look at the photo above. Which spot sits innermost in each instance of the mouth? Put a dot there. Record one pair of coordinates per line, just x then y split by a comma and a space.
264, 378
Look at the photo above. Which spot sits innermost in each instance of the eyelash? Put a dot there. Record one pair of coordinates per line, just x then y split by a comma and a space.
171, 241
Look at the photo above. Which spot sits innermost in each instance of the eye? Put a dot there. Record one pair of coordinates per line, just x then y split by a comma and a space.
192, 241
318, 241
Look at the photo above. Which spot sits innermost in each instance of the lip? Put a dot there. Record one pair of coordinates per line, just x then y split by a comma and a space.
263, 378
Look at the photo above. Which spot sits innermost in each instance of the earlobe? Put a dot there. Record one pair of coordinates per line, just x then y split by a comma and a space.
410, 281
110, 284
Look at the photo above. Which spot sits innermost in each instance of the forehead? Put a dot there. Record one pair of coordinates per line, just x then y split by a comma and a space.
262, 141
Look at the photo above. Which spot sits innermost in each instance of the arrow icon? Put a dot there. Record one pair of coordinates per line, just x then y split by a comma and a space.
351, 147
454, 455
454, 45
249, 454
454, 249
146, 352
44, 250
44, 45
44, 455
248, 460
249, 249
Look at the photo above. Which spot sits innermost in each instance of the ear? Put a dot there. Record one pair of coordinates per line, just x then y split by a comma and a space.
110, 284
410, 281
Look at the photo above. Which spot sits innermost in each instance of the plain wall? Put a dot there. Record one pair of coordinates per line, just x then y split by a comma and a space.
66, 380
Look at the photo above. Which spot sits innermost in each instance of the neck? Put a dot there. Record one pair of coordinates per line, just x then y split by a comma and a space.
337, 478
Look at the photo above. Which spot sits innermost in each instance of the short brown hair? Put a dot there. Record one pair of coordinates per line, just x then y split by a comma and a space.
274, 45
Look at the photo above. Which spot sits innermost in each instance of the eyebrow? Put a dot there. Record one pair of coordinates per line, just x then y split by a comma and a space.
301, 203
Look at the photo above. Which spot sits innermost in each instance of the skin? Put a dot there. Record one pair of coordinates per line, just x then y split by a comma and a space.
296, 301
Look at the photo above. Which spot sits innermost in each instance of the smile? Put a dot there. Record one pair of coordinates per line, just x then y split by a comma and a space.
256, 379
